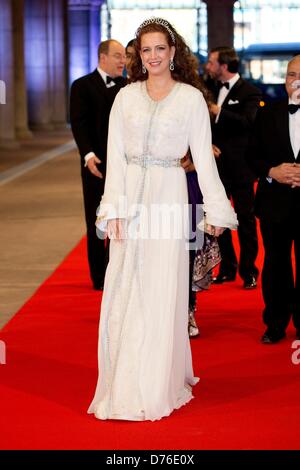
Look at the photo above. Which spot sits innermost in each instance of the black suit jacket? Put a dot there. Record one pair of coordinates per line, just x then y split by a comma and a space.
231, 132
90, 105
270, 146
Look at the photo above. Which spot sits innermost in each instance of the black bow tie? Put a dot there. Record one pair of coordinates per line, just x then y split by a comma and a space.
109, 79
293, 108
225, 84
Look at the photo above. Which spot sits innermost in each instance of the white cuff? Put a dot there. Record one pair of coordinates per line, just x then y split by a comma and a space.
227, 217
88, 156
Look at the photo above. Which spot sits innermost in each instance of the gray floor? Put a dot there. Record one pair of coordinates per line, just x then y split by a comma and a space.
41, 215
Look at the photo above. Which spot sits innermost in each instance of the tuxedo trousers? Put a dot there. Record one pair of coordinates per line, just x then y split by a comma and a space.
97, 249
242, 195
281, 287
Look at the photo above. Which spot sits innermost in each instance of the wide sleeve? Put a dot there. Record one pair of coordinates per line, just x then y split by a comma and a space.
217, 207
113, 203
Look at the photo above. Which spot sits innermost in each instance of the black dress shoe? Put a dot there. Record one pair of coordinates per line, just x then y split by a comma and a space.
250, 283
272, 336
223, 278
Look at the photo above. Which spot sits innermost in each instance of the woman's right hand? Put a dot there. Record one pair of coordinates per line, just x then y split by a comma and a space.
115, 229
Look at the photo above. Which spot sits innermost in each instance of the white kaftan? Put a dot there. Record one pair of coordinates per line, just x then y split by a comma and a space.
145, 364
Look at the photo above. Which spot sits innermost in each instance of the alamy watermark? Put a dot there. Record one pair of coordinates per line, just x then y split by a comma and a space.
295, 358
155, 221
2, 92
2, 352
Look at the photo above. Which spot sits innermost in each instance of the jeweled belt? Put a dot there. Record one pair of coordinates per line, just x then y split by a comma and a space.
146, 160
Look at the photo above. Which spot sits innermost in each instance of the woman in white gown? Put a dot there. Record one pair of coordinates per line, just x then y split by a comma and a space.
145, 364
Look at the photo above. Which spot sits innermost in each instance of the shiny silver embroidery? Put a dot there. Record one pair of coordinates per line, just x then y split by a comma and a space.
147, 160
132, 260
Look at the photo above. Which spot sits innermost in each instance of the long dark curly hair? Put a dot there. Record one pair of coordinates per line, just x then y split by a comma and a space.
186, 64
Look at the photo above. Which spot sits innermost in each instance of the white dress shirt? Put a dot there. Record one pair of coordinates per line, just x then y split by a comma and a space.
294, 127
104, 75
224, 92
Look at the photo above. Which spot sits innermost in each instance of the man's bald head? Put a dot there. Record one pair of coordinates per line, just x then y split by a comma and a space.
111, 56
292, 81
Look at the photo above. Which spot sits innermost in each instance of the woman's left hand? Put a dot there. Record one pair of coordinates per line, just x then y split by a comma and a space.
214, 231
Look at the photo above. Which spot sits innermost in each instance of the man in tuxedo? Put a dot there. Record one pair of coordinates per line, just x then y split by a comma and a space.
233, 115
91, 100
274, 156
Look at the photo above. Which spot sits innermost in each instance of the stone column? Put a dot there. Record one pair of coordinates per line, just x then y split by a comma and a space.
220, 24
37, 63
7, 86
84, 36
57, 62
21, 114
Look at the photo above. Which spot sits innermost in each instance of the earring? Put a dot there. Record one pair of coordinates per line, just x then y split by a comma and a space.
144, 70
172, 65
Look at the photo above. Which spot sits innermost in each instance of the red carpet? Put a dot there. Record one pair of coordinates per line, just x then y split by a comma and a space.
248, 396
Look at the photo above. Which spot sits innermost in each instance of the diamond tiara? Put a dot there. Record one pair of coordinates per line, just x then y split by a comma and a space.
160, 21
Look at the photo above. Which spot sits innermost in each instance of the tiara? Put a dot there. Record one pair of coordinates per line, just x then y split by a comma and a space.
160, 21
